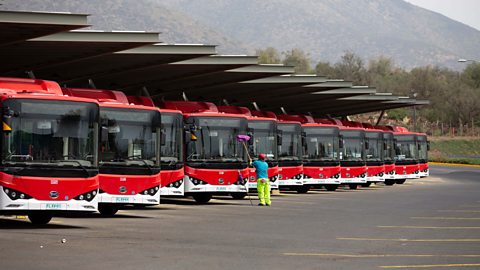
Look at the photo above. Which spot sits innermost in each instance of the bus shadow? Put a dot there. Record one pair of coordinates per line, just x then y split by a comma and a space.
17, 224
119, 215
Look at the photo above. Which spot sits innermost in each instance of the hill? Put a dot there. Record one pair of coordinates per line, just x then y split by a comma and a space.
137, 15
410, 35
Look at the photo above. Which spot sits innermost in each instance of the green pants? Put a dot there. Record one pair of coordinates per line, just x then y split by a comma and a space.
263, 190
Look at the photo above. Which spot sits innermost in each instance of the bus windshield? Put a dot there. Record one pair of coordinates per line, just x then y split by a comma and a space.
129, 137
353, 148
264, 138
375, 145
406, 148
291, 148
216, 139
321, 143
50, 133
389, 150
171, 151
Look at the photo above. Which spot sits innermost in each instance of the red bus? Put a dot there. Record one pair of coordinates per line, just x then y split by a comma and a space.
290, 164
215, 162
129, 153
264, 139
49, 150
389, 157
406, 153
353, 156
423, 148
321, 165
171, 151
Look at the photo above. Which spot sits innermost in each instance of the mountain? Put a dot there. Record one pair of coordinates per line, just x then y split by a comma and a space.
136, 15
410, 35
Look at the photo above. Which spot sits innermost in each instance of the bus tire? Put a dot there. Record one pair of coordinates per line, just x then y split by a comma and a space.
331, 187
39, 218
367, 184
353, 186
202, 198
107, 210
238, 195
303, 189
400, 181
389, 182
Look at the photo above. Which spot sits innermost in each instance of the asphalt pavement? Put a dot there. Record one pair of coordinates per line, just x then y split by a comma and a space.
429, 223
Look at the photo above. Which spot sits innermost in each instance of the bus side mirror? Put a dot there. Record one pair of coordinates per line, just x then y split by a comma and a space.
340, 141
250, 134
384, 145
279, 137
104, 134
163, 138
304, 138
190, 136
428, 145
419, 147
367, 144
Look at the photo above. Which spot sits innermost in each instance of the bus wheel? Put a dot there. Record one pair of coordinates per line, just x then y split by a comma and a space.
400, 181
303, 189
107, 210
389, 182
39, 218
202, 198
331, 187
353, 186
238, 195
366, 184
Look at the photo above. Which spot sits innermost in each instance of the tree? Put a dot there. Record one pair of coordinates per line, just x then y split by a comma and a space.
351, 68
325, 69
299, 59
471, 75
269, 55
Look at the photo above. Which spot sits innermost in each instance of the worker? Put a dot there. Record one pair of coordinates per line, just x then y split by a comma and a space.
263, 185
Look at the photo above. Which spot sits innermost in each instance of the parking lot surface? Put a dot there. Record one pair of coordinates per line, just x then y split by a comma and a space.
428, 223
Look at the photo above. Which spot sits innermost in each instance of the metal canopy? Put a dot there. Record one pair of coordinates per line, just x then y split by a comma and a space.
119, 62
289, 92
387, 105
174, 76
362, 104
248, 91
18, 26
315, 99
220, 82
67, 47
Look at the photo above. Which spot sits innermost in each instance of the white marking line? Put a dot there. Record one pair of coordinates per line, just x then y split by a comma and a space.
429, 227
383, 255
447, 218
408, 240
460, 211
430, 266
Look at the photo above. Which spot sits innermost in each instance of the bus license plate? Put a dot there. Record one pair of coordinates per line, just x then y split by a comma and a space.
53, 206
122, 199
221, 189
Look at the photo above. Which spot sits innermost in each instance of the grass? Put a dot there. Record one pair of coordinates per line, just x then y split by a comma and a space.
455, 150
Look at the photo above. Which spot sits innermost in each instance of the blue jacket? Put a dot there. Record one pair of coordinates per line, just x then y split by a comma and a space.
261, 168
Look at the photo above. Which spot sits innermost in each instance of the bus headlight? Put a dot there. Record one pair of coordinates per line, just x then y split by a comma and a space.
15, 195
87, 196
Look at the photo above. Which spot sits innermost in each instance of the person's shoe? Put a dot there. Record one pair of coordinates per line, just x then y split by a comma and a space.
269, 204
261, 204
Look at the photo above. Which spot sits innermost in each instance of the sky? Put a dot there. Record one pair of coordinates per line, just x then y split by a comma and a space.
464, 11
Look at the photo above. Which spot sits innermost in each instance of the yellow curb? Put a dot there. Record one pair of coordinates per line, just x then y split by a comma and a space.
454, 164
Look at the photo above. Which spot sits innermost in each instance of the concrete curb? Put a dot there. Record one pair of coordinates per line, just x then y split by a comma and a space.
454, 164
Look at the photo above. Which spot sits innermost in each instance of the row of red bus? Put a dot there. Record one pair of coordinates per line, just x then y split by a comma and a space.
66, 149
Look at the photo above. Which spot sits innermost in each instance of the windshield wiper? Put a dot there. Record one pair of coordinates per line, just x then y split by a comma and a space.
79, 164
142, 160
